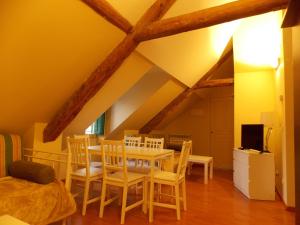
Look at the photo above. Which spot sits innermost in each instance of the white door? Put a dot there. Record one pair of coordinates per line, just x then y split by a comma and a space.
221, 132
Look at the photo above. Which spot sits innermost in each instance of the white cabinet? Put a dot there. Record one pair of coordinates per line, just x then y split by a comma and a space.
254, 174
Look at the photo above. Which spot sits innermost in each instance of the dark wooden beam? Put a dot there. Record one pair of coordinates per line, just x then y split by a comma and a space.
214, 83
106, 10
104, 71
183, 96
292, 15
208, 17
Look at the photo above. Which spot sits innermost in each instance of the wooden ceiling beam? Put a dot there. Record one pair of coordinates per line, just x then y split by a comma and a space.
103, 72
214, 83
209, 17
106, 10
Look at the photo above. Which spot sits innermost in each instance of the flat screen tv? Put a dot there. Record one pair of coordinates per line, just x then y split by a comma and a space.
253, 136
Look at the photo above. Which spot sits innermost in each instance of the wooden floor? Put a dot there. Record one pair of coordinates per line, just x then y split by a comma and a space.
217, 203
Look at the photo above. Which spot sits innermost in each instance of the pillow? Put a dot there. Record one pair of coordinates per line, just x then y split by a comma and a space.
32, 171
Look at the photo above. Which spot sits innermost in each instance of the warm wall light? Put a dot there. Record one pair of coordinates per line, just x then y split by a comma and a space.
221, 34
257, 41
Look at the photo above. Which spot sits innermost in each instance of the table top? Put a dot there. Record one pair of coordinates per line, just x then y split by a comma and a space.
9, 220
141, 152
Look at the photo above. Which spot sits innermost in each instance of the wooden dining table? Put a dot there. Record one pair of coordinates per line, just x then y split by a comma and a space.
143, 153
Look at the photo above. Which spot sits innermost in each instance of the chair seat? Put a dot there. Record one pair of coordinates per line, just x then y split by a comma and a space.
96, 164
164, 175
94, 171
141, 169
119, 176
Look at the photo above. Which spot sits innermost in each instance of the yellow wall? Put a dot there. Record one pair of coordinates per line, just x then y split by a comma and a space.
254, 93
288, 150
263, 87
33, 138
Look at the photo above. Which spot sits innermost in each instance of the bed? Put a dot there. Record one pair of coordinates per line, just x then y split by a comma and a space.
38, 204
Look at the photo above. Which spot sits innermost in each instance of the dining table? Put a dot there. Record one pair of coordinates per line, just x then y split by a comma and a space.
144, 153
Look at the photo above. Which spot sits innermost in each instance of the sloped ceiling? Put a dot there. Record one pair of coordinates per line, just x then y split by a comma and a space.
186, 56
49, 47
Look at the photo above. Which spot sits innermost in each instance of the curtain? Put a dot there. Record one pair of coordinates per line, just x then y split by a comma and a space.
98, 125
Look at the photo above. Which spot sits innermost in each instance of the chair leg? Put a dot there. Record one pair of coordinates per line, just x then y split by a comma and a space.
151, 202
177, 196
124, 201
184, 194
144, 206
120, 196
102, 203
190, 168
159, 192
86, 196
146, 195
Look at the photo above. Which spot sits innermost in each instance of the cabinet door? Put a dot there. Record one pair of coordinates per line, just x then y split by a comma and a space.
241, 171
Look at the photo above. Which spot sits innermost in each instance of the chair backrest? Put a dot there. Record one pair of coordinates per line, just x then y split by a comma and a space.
113, 158
183, 160
78, 147
78, 136
132, 141
154, 143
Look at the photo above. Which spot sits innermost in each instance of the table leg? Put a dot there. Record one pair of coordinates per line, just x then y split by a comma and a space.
205, 173
211, 169
152, 164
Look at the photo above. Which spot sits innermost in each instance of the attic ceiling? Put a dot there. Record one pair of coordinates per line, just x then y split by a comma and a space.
49, 48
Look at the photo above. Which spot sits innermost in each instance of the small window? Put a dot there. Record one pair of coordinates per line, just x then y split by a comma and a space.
97, 127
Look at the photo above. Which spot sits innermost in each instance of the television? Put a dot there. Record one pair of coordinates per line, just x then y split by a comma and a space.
253, 136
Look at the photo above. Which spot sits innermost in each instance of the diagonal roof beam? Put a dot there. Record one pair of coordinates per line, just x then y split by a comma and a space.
106, 10
214, 83
209, 17
103, 72
183, 96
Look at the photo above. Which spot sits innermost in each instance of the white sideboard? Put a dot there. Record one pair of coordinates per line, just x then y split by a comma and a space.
254, 174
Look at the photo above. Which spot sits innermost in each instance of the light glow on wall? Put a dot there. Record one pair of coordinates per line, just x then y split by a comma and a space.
221, 35
257, 41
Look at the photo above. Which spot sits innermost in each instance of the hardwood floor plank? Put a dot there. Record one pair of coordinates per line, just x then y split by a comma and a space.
217, 203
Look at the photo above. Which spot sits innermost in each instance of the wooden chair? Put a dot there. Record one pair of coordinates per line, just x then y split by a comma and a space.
154, 143
115, 174
132, 141
91, 140
81, 169
174, 180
